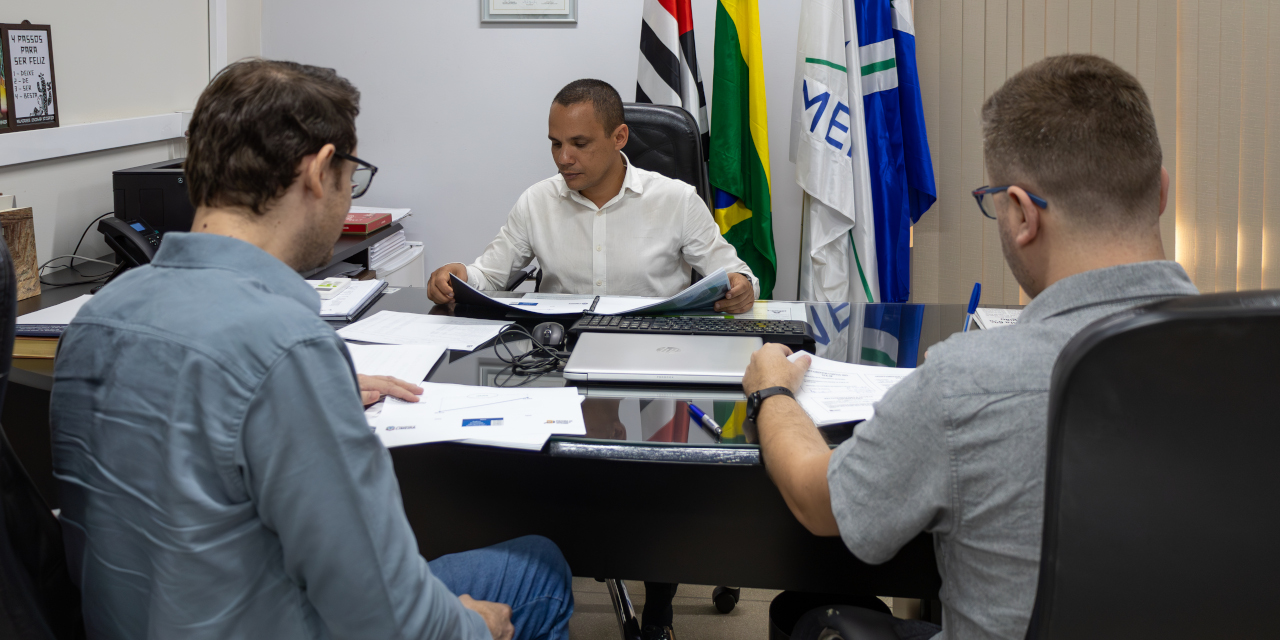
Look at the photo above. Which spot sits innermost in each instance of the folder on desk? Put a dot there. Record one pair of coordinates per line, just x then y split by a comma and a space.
699, 296
352, 301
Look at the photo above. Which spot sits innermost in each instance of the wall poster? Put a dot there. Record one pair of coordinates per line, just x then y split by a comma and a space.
30, 95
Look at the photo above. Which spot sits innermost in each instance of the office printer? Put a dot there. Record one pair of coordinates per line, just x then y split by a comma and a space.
154, 193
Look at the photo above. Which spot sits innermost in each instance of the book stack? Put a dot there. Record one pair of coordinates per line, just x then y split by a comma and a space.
36, 334
363, 224
391, 254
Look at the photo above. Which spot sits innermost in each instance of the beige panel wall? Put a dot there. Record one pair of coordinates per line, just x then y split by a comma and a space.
1228, 212
1212, 71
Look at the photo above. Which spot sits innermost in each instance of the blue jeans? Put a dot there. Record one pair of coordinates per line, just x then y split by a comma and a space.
528, 574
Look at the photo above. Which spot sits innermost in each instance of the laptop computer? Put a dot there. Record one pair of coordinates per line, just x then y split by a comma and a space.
648, 357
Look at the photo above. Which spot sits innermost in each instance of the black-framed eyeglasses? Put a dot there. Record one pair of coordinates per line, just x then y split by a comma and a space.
987, 193
362, 177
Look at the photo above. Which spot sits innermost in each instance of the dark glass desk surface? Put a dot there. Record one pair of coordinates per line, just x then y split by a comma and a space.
651, 422
638, 443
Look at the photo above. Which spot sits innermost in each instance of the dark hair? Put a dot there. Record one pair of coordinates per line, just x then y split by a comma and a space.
255, 122
602, 96
1080, 129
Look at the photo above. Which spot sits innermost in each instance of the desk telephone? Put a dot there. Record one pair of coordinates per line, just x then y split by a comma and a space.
134, 242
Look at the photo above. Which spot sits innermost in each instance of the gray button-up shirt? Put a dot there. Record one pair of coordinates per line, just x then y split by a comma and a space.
217, 474
958, 449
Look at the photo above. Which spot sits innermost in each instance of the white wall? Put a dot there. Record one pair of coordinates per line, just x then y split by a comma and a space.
113, 60
454, 113
244, 29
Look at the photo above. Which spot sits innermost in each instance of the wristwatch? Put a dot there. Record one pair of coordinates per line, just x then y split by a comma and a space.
753, 410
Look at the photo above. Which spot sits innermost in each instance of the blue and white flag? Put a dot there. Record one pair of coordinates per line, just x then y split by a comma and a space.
864, 164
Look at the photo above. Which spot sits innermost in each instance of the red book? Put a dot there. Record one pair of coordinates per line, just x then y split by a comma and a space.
365, 223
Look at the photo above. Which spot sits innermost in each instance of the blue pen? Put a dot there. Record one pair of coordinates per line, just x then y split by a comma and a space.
704, 420
973, 305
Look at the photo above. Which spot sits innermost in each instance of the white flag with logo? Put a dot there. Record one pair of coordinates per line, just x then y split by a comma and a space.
828, 145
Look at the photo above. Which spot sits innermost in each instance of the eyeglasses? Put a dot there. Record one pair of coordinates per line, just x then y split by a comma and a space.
362, 177
989, 192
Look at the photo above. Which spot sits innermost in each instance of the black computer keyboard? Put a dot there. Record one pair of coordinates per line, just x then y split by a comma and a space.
783, 331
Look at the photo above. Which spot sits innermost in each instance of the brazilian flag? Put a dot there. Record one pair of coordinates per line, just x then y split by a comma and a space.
739, 162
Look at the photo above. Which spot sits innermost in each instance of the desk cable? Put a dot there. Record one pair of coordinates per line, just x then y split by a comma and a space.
530, 364
72, 263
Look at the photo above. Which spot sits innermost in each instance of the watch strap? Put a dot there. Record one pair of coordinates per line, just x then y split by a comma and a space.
762, 394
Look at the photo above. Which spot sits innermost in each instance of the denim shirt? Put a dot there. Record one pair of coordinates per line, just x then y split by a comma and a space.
217, 474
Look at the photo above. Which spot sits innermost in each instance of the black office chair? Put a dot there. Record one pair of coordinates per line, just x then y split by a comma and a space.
1161, 496
665, 139
37, 598
522, 275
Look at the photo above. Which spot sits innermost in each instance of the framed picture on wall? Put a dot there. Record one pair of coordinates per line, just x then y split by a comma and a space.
30, 96
4, 91
528, 11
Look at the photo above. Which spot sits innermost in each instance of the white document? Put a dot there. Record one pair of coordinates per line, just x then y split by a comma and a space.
57, 314
522, 418
349, 299
548, 306
396, 214
619, 305
699, 296
774, 310
395, 327
408, 362
566, 301
992, 318
835, 392
534, 295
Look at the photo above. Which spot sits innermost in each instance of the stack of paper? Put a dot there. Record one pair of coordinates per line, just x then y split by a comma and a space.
387, 250
992, 318
395, 327
351, 300
393, 263
519, 418
835, 392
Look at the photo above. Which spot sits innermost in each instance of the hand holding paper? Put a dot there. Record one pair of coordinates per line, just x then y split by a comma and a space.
835, 392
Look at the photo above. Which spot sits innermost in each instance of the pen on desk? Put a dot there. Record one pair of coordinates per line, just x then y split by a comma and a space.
973, 305
704, 420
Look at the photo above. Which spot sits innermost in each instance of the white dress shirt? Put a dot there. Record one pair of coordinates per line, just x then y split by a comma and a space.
643, 242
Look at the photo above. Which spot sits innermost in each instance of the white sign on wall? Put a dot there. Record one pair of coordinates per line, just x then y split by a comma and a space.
32, 77
528, 10
31, 100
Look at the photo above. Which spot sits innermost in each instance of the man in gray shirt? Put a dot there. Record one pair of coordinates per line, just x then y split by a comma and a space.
957, 448
217, 473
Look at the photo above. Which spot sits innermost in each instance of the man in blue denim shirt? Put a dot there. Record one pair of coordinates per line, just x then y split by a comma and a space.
218, 477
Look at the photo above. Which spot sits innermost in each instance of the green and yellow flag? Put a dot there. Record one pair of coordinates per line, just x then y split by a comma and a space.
739, 162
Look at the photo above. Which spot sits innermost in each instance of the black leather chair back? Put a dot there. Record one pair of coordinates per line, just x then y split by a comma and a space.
37, 598
1162, 499
665, 139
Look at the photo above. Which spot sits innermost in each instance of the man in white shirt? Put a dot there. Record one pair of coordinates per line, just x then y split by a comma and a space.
601, 225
